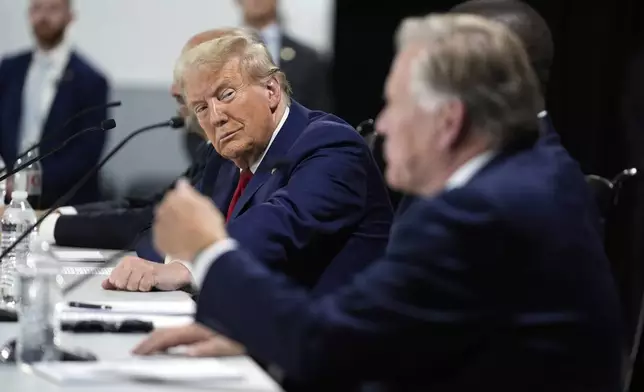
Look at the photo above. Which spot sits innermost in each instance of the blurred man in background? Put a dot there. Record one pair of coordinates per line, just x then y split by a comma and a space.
480, 286
305, 69
116, 224
39, 91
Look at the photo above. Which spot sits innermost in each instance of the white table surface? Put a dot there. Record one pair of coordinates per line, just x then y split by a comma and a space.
118, 346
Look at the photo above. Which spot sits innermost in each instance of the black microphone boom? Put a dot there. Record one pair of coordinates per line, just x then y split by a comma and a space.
175, 122
69, 120
106, 125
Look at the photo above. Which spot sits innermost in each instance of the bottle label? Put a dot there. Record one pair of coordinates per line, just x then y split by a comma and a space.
9, 227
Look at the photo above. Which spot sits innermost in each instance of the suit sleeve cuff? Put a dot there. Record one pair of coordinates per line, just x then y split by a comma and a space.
208, 256
47, 228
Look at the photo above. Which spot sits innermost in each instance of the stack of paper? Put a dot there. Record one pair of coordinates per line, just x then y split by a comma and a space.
202, 371
79, 255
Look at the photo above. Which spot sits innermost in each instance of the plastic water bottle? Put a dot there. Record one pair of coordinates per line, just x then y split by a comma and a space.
40, 305
17, 217
29, 179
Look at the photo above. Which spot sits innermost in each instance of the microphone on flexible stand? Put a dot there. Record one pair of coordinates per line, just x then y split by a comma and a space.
106, 125
175, 122
69, 121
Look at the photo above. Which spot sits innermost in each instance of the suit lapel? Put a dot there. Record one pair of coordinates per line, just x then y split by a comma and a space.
295, 123
18, 83
224, 186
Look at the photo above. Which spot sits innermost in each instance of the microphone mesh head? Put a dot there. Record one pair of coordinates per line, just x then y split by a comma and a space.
177, 122
108, 124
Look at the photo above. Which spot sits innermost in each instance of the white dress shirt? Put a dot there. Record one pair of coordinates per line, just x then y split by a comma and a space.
206, 258
467, 171
44, 73
272, 37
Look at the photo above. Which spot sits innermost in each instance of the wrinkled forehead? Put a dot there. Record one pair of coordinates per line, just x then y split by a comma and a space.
200, 80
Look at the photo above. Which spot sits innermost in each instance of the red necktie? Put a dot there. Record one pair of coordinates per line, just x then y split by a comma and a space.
244, 179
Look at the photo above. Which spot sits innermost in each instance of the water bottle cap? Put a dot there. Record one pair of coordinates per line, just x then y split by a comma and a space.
19, 195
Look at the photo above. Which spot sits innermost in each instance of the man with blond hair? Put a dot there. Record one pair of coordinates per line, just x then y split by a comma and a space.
480, 286
299, 188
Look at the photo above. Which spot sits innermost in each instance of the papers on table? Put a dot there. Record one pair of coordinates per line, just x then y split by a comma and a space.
74, 270
202, 371
78, 255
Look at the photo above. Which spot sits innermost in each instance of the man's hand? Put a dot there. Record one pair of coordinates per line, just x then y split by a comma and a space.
186, 222
136, 274
200, 342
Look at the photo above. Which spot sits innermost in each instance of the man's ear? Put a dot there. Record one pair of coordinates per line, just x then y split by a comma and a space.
274, 92
450, 124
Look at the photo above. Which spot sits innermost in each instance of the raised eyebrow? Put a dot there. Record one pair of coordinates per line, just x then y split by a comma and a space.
224, 84
192, 104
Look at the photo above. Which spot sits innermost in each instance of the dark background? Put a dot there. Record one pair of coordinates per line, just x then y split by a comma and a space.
593, 80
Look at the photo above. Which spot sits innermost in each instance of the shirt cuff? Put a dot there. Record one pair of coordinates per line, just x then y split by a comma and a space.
47, 228
193, 282
67, 210
208, 256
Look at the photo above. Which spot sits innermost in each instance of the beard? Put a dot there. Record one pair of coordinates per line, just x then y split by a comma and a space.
47, 35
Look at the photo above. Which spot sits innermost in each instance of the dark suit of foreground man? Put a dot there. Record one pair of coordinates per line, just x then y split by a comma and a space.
480, 288
299, 188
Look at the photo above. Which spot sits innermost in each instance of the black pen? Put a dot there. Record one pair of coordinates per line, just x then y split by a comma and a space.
89, 306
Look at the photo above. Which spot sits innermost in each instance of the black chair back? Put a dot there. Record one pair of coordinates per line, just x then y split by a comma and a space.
607, 194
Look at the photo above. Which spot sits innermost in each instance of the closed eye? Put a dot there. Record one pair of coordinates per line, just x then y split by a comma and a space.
198, 109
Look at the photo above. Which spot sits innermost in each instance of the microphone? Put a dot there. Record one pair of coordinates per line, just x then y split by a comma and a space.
175, 122
69, 120
106, 125
366, 127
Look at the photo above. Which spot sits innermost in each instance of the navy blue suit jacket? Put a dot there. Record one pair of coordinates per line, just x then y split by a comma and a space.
499, 285
80, 87
317, 207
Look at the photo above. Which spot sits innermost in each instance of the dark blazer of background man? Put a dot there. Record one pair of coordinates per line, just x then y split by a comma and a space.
49, 85
494, 279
